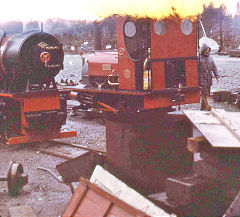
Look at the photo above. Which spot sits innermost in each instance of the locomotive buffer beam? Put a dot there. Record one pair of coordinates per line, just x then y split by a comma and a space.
35, 138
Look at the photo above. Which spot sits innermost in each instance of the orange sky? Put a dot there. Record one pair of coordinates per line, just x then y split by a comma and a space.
26, 10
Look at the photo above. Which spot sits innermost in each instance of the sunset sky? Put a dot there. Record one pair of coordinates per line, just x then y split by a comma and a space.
26, 10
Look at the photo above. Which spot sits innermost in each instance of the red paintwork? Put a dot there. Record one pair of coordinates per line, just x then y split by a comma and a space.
97, 61
32, 102
40, 137
191, 75
163, 101
173, 44
158, 76
126, 70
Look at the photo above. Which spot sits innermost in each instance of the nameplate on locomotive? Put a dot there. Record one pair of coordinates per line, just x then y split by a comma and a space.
106, 67
52, 47
53, 66
42, 44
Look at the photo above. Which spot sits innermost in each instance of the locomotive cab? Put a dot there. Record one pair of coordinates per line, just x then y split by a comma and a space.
155, 67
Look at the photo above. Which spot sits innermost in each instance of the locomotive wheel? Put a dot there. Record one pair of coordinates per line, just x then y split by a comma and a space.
16, 178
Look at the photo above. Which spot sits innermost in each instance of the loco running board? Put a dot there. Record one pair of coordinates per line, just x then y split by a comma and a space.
35, 138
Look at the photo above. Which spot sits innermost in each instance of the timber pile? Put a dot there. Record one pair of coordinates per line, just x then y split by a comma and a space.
231, 97
105, 195
234, 53
214, 184
219, 151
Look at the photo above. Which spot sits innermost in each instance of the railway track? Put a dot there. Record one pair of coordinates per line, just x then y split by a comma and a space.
77, 160
63, 149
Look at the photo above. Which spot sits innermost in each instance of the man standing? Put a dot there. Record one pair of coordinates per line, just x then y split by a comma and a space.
206, 68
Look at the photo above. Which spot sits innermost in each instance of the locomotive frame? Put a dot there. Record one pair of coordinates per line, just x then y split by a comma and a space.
154, 68
31, 108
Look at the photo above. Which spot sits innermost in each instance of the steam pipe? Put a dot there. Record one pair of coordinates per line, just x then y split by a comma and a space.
220, 31
204, 32
41, 26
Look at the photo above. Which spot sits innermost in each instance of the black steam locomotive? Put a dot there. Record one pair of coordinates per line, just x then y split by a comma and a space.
31, 107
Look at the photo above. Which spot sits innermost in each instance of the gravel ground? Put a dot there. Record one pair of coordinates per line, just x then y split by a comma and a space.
45, 195
229, 67
72, 69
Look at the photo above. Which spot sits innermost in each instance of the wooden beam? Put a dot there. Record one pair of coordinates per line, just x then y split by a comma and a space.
222, 116
193, 143
221, 129
234, 208
76, 198
21, 211
79, 202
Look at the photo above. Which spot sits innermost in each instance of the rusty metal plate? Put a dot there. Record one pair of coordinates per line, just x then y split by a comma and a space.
83, 165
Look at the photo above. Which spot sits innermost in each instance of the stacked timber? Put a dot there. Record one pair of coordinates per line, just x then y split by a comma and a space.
104, 195
214, 183
225, 96
234, 53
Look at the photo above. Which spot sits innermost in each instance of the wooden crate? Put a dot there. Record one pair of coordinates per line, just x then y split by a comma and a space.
91, 201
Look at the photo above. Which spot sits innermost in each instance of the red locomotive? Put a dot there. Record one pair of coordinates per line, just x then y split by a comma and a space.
31, 107
155, 67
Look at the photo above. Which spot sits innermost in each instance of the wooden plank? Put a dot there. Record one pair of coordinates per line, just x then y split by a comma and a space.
234, 208
193, 143
76, 199
227, 121
131, 210
21, 211
78, 146
56, 154
106, 181
93, 204
91, 201
59, 150
119, 212
215, 132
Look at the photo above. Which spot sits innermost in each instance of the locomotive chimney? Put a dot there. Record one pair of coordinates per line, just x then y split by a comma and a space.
31, 26
41, 27
97, 37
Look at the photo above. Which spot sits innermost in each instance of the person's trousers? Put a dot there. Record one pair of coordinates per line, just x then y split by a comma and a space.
205, 99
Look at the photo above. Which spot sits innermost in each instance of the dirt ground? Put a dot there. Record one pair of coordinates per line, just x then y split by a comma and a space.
43, 193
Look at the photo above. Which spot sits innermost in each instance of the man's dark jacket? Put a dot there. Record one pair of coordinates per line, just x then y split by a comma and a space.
206, 68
